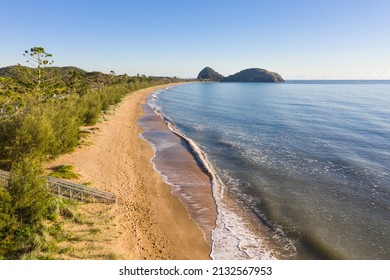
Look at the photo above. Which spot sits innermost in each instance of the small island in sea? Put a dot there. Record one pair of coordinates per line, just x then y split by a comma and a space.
256, 75
209, 74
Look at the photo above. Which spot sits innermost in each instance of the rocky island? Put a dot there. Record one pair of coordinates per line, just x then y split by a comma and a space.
208, 74
248, 75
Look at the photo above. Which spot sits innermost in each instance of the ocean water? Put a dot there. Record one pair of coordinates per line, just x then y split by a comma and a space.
298, 170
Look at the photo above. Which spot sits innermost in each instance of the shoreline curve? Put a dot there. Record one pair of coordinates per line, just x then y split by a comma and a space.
148, 222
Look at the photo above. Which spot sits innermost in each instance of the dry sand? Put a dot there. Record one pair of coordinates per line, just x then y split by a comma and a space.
147, 222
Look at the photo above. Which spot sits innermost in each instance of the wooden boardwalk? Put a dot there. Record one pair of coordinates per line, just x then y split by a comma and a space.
70, 190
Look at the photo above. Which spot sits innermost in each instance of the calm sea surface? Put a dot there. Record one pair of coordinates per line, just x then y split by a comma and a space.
301, 170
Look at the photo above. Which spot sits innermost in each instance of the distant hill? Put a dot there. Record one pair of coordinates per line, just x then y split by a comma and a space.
254, 75
209, 74
65, 73
72, 79
12, 71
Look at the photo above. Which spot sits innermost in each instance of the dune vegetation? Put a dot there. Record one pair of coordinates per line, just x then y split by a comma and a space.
41, 111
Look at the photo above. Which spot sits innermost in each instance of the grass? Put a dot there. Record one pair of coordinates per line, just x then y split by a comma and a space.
77, 233
95, 230
64, 172
111, 256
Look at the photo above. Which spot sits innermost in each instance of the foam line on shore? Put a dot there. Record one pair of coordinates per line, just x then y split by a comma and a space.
202, 211
147, 222
242, 243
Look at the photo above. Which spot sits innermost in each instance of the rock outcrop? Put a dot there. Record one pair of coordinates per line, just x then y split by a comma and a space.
208, 74
254, 75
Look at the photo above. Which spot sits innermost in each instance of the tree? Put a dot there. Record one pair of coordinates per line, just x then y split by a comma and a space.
77, 83
111, 77
23, 209
7, 97
40, 80
39, 59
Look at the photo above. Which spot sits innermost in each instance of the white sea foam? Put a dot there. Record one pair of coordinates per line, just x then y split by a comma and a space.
299, 173
231, 238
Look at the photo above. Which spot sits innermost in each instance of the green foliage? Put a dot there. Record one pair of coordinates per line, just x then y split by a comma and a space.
39, 59
7, 219
24, 207
57, 231
8, 87
29, 191
90, 108
65, 123
62, 207
64, 172
29, 217
38, 56
76, 83
9, 98
41, 110
50, 128
34, 134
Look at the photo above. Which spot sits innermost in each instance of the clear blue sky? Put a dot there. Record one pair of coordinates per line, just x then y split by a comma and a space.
296, 38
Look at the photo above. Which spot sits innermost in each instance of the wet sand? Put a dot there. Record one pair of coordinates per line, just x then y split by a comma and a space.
148, 221
180, 168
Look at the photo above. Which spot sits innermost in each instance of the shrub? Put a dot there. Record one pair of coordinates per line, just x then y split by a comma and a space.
64, 172
24, 207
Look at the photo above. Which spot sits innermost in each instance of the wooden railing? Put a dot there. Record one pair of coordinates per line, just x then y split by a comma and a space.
70, 190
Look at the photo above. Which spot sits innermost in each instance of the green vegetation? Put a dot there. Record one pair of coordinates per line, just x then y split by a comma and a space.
64, 172
255, 75
41, 111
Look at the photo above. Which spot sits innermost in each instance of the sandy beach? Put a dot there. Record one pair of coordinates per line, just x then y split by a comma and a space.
147, 222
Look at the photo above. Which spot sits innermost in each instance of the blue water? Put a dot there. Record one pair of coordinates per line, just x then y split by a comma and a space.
307, 163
